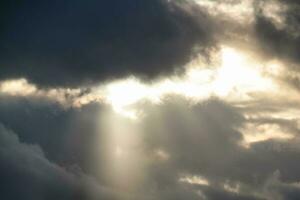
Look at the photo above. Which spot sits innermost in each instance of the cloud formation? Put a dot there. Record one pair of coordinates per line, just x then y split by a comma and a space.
149, 100
175, 139
279, 40
27, 174
69, 43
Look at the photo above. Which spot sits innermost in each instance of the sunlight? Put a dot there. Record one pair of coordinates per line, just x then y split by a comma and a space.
239, 74
237, 77
123, 93
123, 164
126, 92
253, 133
17, 87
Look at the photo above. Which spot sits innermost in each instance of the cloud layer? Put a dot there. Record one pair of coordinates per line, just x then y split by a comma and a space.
69, 43
149, 100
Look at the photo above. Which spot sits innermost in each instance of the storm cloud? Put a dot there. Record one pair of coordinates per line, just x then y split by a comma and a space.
69, 43
149, 100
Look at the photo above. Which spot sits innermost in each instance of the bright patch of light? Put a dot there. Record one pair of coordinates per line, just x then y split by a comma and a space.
17, 87
195, 180
241, 11
239, 74
122, 94
122, 159
257, 133
237, 77
234, 188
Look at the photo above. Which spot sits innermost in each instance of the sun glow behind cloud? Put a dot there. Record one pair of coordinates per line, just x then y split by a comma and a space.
237, 77
73, 107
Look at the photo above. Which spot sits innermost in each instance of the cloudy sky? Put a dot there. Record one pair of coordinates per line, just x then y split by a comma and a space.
150, 100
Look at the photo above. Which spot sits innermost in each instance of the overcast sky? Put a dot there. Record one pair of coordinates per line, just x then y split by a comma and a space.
150, 100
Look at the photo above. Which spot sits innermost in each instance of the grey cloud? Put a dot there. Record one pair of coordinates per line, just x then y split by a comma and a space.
210, 128
189, 132
289, 126
218, 193
27, 174
70, 43
279, 42
200, 139
64, 133
83, 43
203, 140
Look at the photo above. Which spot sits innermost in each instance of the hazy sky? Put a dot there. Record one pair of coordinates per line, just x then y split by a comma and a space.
150, 100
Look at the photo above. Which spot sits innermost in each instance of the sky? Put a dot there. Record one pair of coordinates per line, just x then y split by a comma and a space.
150, 100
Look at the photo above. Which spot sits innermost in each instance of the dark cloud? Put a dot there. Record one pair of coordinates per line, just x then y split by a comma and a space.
58, 43
64, 133
279, 42
27, 174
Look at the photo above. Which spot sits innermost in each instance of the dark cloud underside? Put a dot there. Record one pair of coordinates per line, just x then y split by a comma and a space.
57, 43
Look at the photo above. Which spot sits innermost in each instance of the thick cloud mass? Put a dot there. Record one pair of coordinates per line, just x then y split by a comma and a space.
196, 140
63, 133
27, 174
57, 43
227, 129
282, 42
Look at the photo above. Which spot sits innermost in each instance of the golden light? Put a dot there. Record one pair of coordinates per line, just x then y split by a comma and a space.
253, 133
123, 93
123, 166
236, 78
17, 87
65, 96
239, 75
